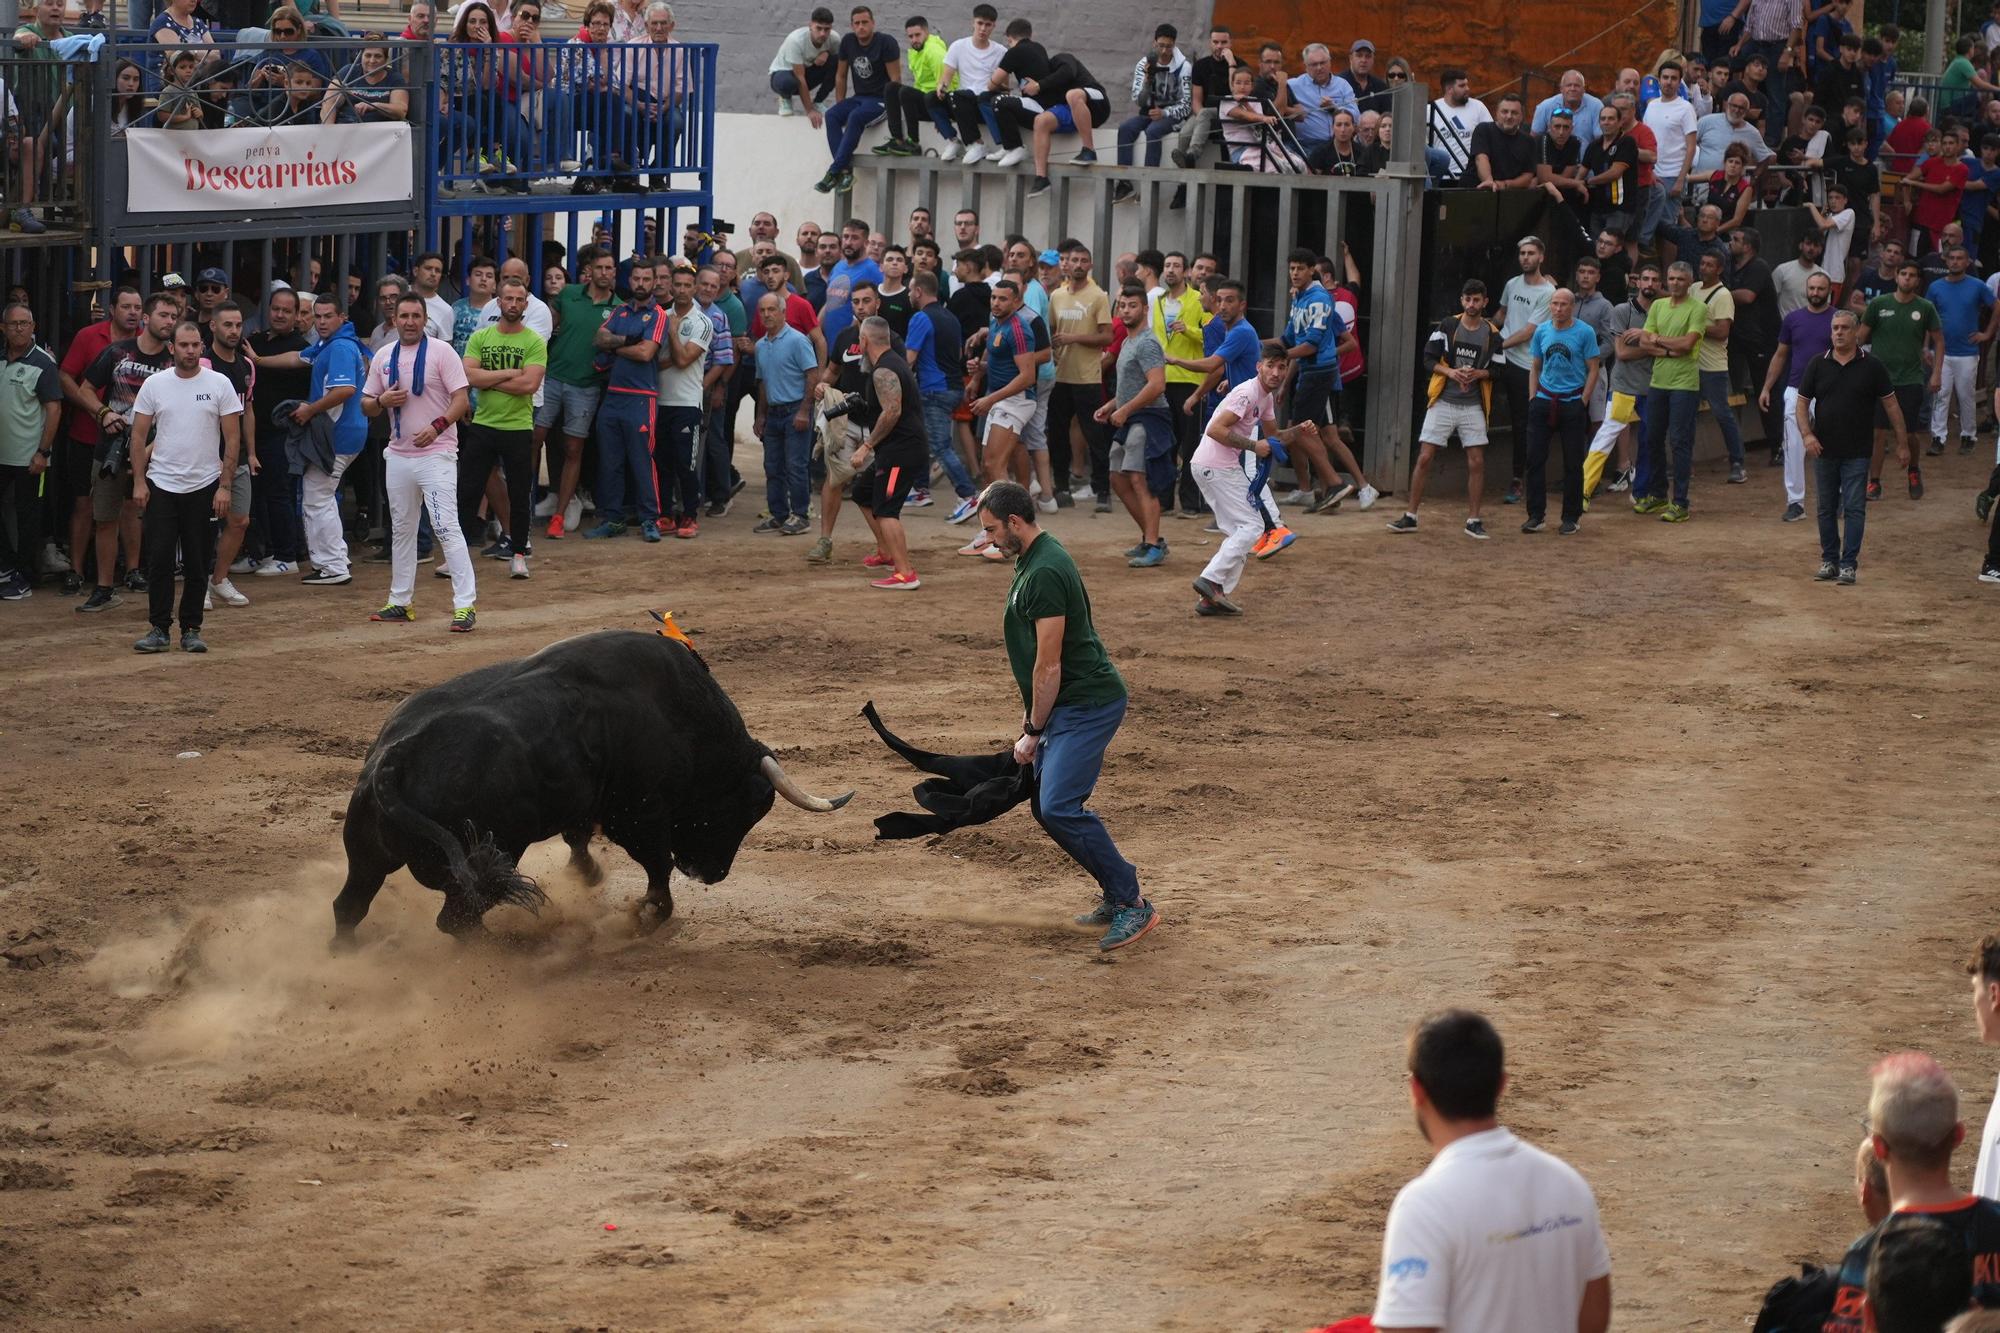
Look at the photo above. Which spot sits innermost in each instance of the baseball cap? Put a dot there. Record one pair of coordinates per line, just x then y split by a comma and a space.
214, 275
1049, 257
1362, 44
172, 282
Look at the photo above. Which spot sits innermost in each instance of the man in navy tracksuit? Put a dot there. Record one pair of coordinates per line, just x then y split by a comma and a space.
631, 336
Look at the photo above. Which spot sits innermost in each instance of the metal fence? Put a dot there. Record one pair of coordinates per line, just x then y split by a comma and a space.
48, 168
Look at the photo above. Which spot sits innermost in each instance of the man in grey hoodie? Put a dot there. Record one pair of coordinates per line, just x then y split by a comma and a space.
1162, 96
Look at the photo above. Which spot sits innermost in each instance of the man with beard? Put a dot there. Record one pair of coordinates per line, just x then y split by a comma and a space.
846, 375
274, 512
893, 457
1803, 336
127, 309
224, 332
107, 393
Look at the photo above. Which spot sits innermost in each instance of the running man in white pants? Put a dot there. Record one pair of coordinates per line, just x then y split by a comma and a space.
420, 382
1967, 310
1803, 338
1242, 425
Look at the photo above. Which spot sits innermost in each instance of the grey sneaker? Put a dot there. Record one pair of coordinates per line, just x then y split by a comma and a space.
191, 641
1847, 576
154, 641
1828, 572
795, 526
1736, 474
1101, 915
1128, 924
821, 553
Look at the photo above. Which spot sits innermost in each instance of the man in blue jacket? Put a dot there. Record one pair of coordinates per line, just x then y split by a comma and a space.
338, 364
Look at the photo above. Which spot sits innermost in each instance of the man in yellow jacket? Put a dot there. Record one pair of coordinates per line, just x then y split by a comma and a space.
1178, 318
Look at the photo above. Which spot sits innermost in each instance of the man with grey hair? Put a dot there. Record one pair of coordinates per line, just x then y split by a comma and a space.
418, 29
1318, 94
1571, 97
895, 456
1837, 401
1913, 1128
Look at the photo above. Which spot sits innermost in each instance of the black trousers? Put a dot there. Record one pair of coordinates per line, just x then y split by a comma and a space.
1569, 421
1756, 362
908, 110
22, 495
965, 114
1013, 119
275, 528
479, 448
1187, 438
1076, 402
187, 522
1514, 381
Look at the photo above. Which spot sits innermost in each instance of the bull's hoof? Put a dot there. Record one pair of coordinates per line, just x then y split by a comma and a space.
344, 942
588, 870
648, 917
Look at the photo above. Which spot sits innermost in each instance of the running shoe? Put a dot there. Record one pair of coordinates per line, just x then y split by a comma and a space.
517, 568
16, 588
1102, 505
154, 640
825, 183
1128, 924
821, 552
649, 531
1124, 193
135, 582
1936, 449
718, 508
1085, 157
463, 619
966, 509
1828, 572
1533, 525
876, 560
1100, 915
1965, 446
687, 529
1874, 488
1047, 505
243, 564
72, 583
1038, 187
1476, 529
192, 642
1212, 596
1982, 504
101, 599
1407, 523
1675, 513
1264, 542
1847, 576
1135, 552
1989, 573
1568, 529
1622, 482
499, 550
952, 151
977, 546
1794, 512
1278, 539
1369, 495
324, 578
898, 582
225, 592
1296, 497
1737, 476
1916, 484
394, 614
1149, 558
795, 526
1328, 502
1013, 157
768, 524
920, 498
271, 567
555, 529
976, 154
1648, 504
1513, 495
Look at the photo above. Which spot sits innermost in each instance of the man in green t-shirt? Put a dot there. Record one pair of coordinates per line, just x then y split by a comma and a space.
1674, 329
506, 363
1898, 327
1072, 700
574, 385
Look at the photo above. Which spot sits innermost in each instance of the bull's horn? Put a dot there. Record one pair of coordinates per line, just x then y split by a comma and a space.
796, 794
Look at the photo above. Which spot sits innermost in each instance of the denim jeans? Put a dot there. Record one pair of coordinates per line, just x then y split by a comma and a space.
1066, 767
1715, 391
845, 122
1132, 127
1843, 487
938, 407
786, 450
1670, 414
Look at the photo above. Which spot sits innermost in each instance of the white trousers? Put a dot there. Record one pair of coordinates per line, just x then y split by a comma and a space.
326, 544
429, 483
1227, 491
1955, 383
1795, 451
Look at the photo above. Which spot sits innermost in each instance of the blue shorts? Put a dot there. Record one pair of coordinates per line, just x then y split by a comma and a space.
569, 407
1100, 111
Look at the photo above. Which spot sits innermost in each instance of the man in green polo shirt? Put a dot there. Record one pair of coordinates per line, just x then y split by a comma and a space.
1897, 327
574, 385
30, 412
1073, 700
1675, 325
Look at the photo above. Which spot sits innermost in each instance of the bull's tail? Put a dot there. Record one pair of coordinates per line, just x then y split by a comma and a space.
482, 872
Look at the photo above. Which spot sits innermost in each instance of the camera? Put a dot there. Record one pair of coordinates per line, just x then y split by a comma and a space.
720, 228
116, 454
839, 405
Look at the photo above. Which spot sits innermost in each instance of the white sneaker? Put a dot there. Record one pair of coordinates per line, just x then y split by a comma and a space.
243, 565
966, 509
573, 516
227, 592
976, 154
547, 506
1297, 497
1369, 495
977, 546
919, 499
952, 151
208, 600
569, 166
785, 107
1013, 157
53, 561
1047, 506
1034, 486
441, 571
518, 567
273, 566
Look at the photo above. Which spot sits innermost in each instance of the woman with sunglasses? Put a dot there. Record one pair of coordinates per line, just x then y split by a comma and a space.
477, 83
593, 106
270, 77
369, 86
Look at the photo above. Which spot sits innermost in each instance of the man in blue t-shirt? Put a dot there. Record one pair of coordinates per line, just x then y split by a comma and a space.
870, 61
853, 266
1965, 307
1562, 380
337, 363
936, 353
1317, 338
628, 344
1230, 348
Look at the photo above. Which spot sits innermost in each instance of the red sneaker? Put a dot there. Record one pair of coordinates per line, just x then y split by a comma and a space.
898, 582
687, 529
876, 560
555, 527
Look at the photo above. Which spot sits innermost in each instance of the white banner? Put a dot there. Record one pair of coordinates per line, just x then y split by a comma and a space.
286, 168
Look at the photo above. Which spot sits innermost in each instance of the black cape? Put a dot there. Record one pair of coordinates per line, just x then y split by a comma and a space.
968, 789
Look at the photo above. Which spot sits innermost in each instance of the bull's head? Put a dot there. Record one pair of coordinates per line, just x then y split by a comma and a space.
706, 837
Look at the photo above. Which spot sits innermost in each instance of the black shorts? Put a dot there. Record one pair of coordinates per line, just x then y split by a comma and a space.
1909, 397
1315, 397
884, 486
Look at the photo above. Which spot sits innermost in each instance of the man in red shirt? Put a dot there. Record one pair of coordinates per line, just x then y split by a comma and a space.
798, 311
84, 437
1900, 149
1656, 209
1939, 182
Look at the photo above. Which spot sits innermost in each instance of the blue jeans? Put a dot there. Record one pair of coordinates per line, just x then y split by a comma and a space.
845, 122
1843, 487
1670, 413
1066, 765
938, 407
1132, 127
818, 77
1715, 391
786, 450
1438, 163
625, 453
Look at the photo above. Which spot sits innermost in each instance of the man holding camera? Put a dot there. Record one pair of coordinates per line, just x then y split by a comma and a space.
108, 390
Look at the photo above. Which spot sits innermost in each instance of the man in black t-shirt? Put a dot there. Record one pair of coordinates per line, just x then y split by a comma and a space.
870, 61
895, 456
1210, 79
845, 375
1611, 171
275, 531
1753, 339
1503, 154
109, 388
1837, 402
226, 358
1559, 161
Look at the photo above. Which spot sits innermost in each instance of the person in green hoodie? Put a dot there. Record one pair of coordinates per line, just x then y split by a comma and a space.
909, 103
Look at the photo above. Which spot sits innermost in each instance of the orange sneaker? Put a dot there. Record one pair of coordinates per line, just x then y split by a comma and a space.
898, 582
876, 560
1276, 540
555, 527
1264, 542
687, 529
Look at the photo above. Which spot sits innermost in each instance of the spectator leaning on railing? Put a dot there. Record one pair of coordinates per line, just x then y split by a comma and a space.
805, 65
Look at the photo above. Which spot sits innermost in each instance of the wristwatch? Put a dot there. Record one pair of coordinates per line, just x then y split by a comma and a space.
45, 453
1030, 729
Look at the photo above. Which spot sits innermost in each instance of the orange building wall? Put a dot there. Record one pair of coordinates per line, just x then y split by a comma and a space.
1492, 40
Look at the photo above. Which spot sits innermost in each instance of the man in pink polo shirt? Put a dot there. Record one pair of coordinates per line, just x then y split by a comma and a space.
1238, 433
420, 382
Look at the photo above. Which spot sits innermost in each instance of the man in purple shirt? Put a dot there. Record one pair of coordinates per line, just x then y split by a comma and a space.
1804, 335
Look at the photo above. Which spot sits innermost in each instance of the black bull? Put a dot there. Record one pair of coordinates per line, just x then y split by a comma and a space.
619, 730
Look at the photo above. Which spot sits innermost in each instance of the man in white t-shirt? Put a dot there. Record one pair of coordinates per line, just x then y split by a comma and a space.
1671, 118
677, 427
974, 62
1496, 1236
1454, 117
1985, 972
425, 275
186, 432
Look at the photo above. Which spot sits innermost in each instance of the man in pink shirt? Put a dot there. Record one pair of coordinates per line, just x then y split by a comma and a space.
1243, 425
420, 382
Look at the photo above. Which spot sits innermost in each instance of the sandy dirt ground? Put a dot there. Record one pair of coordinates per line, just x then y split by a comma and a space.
1704, 836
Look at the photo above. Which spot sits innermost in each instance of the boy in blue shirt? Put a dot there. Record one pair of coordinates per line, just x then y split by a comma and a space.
1317, 337
1562, 379
1965, 308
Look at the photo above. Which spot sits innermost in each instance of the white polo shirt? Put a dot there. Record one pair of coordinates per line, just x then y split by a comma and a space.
1986, 1176
1496, 1236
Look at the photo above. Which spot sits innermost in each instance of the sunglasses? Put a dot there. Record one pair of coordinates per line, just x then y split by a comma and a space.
527, 16
1397, 76
285, 32
210, 287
